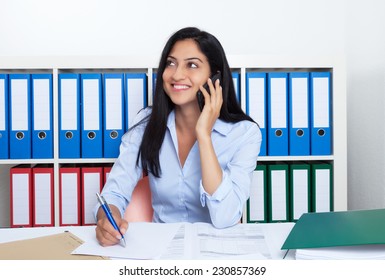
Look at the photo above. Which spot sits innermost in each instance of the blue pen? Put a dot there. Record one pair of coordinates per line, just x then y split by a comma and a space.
108, 212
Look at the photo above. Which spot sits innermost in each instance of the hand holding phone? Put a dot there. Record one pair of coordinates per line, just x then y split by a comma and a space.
200, 96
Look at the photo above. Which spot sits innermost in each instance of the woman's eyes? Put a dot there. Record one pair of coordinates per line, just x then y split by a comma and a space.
170, 63
192, 65
189, 64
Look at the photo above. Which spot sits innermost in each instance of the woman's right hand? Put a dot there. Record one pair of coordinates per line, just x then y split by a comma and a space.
211, 110
106, 234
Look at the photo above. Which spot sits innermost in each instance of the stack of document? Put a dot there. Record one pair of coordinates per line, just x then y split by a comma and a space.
359, 252
143, 241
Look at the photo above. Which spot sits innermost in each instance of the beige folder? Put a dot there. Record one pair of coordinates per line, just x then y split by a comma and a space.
52, 247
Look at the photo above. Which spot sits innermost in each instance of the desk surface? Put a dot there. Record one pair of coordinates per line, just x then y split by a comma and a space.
275, 235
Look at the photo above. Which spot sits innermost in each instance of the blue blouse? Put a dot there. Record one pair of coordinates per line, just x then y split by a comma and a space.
178, 196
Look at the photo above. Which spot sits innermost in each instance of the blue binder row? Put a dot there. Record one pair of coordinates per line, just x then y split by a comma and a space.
283, 191
95, 110
26, 116
293, 111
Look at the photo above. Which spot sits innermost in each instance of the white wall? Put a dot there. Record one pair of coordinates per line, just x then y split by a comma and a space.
351, 28
121, 27
365, 49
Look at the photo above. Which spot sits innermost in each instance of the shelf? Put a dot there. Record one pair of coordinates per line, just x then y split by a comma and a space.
148, 64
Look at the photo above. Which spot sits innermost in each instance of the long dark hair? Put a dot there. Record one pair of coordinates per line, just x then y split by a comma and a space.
162, 105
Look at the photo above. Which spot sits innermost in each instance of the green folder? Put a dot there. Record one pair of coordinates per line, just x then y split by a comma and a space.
344, 228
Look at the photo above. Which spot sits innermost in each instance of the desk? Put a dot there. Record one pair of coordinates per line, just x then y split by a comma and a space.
275, 235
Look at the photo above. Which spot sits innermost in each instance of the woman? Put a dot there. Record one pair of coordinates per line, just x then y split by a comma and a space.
199, 164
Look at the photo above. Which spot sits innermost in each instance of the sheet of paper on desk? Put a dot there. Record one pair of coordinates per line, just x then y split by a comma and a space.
239, 241
203, 241
143, 241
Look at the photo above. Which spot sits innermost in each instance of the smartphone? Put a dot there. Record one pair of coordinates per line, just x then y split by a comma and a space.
200, 96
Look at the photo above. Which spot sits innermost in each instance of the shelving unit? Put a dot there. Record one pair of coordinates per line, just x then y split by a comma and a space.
241, 63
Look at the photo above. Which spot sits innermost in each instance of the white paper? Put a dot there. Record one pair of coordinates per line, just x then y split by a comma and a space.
135, 92
176, 248
203, 241
321, 102
184, 241
41, 104
257, 196
359, 252
42, 190
91, 104
20, 199
143, 241
235, 82
2, 104
19, 103
300, 103
91, 186
69, 198
113, 103
322, 190
231, 242
69, 104
278, 195
278, 103
300, 192
276, 234
257, 100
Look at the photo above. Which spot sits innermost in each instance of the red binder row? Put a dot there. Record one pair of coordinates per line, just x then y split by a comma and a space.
32, 194
78, 186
